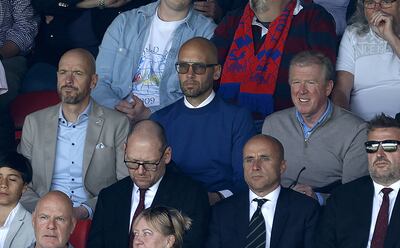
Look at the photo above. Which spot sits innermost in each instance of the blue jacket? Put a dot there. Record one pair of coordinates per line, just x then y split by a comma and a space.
122, 47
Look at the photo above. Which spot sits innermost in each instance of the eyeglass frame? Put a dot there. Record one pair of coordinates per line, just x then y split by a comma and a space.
381, 144
380, 4
178, 64
145, 164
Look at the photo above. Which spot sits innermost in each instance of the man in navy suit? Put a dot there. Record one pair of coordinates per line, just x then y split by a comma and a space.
366, 212
288, 217
148, 158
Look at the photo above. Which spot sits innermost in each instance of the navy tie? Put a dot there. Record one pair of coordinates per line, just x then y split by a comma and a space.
256, 234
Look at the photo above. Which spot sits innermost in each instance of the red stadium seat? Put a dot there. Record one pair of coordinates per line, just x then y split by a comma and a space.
80, 234
27, 103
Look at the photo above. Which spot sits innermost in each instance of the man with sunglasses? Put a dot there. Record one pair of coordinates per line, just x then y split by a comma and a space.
136, 57
366, 212
206, 133
154, 181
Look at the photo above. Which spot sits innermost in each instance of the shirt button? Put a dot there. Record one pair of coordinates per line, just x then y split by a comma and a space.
73, 162
73, 179
72, 191
73, 144
73, 126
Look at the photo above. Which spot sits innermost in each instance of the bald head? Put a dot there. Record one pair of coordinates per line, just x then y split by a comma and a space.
270, 141
204, 45
53, 220
85, 56
58, 197
149, 130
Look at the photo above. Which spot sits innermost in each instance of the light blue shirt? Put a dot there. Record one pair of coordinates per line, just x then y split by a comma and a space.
68, 167
122, 47
307, 131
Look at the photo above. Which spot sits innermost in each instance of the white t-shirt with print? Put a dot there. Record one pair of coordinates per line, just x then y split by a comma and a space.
376, 70
146, 81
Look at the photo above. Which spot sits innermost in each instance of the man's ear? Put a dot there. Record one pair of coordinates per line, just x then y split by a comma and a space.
283, 167
168, 155
217, 72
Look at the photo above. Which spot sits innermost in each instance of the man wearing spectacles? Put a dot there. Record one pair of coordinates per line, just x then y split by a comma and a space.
368, 65
324, 141
366, 212
206, 133
136, 57
153, 181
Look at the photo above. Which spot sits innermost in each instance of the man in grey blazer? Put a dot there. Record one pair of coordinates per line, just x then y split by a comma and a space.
76, 146
15, 221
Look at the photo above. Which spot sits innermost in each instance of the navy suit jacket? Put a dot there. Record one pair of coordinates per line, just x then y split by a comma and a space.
110, 226
346, 220
294, 223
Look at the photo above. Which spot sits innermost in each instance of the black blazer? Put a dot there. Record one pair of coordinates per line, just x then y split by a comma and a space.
346, 220
110, 226
294, 221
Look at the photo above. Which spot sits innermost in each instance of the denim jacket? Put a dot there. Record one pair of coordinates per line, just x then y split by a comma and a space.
122, 47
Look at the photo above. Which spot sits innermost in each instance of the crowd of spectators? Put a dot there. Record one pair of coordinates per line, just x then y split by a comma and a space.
192, 123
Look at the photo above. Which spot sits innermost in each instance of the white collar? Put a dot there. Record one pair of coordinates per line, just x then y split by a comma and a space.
271, 197
395, 186
264, 30
204, 103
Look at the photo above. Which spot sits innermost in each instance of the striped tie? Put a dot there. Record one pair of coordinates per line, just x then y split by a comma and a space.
256, 235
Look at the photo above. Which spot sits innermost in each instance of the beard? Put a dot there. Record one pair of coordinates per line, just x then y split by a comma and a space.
384, 176
193, 91
259, 6
70, 94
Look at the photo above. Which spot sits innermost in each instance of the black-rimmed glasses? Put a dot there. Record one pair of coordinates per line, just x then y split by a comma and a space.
385, 4
198, 68
148, 166
372, 146
297, 178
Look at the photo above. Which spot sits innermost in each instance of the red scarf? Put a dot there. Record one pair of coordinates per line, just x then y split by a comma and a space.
256, 74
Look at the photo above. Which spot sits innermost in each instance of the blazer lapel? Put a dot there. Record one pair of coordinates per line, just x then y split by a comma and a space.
93, 132
241, 222
15, 226
362, 205
280, 218
50, 141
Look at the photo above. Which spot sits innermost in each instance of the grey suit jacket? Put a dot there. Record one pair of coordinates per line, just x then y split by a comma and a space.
21, 231
103, 159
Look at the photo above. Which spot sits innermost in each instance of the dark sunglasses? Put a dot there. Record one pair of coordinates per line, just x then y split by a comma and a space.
387, 145
198, 68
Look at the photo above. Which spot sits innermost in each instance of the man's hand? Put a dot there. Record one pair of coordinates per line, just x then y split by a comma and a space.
209, 8
214, 197
134, 110
81, 213
305, 189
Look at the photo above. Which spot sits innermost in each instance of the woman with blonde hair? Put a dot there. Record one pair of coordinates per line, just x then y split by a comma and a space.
160, 227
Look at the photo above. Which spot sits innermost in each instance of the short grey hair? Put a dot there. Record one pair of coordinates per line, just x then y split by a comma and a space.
307, 58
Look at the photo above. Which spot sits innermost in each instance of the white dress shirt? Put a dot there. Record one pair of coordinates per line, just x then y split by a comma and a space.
267, 210
148, 198
7, 224
377, 202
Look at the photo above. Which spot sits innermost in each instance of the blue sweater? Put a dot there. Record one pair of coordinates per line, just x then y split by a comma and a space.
207, 142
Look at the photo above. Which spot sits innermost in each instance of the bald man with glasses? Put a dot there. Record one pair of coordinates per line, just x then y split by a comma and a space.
154, 181
206, 133
366, 212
